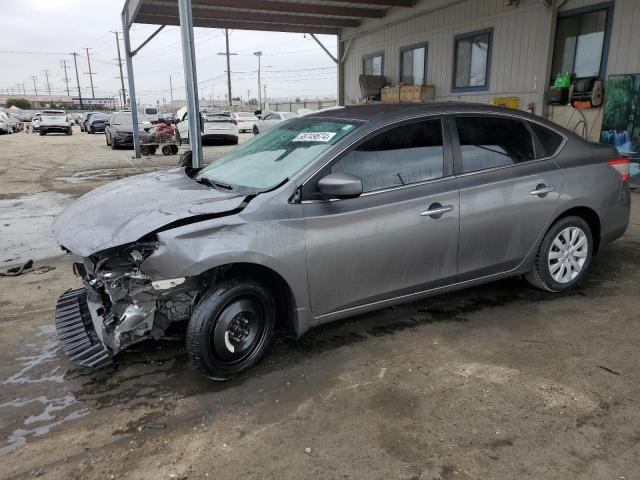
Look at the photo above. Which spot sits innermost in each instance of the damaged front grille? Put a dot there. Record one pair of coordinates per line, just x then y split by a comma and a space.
75, 331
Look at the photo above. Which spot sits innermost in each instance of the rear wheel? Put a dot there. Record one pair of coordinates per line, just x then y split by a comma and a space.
255, 130
42, 132
230, 328
145, 150
564, 255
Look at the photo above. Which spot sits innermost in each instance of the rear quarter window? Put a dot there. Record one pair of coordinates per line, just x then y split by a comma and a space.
549, 139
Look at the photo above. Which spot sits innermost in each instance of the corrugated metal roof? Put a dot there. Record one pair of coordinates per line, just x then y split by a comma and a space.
302, 16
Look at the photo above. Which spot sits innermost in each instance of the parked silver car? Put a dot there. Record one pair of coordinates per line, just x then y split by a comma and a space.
268, 120
330, 215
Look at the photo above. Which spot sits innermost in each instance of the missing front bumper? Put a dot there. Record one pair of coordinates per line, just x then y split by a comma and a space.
76, 333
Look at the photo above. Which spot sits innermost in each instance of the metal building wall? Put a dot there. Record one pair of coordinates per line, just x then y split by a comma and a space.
522, 39
519, 52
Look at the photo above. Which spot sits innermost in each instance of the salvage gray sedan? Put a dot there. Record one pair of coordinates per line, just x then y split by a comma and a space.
331, 215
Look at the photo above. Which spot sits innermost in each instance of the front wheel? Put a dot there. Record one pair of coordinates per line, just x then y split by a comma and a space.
564, 255
230, 328
255, 130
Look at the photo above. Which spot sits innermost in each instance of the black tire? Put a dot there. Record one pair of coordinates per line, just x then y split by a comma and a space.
42, 133
69, 131
541, 276
234, 307
145, 150
255, 130
174, 149
152, 150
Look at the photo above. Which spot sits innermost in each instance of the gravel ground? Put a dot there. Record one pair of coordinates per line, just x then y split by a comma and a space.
500, 381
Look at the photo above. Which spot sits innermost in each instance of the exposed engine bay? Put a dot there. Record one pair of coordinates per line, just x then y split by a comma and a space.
122, 305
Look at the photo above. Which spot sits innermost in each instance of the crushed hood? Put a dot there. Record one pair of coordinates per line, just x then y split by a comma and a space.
123, 211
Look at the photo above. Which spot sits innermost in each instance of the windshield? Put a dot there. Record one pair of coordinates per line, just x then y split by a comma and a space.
99, 116
270, 158
217, 118
53, 114
122, 119
288, 114
244, 114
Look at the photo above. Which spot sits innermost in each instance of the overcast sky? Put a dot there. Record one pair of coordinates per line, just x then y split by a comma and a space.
51, 29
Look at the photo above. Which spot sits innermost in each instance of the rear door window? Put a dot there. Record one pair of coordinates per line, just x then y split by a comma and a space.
403, 155
549, 139
489, 142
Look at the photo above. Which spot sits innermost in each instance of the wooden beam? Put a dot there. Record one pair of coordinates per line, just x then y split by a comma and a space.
288, 7
208, 14
237, 25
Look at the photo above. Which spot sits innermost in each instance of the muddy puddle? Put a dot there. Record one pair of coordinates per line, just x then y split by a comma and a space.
25, 223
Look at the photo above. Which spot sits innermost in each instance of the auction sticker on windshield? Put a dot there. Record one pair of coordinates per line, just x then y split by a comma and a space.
314, 137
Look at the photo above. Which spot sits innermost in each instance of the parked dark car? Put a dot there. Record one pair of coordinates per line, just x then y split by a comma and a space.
84, 120
97, 122
119, 130
331, 215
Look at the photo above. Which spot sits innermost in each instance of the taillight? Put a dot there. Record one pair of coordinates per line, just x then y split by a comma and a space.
621, 164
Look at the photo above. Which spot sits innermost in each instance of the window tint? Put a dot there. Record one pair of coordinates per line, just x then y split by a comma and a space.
487, 142
372, 64
549, 139
579, 44
472, 54
403, 155
413, 64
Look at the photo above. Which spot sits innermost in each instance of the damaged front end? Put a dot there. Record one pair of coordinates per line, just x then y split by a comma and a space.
119, 305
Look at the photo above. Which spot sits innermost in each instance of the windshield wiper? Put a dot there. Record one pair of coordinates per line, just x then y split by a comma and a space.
214, 183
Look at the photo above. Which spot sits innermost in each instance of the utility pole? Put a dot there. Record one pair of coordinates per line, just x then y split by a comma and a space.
228, 54
248, 95
63, 65
35, 87
171, 90
259, 55
75, 62
90, 73
124, 92
46, 74
266, 100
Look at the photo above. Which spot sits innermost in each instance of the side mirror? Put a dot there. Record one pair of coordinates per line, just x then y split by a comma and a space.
340, 185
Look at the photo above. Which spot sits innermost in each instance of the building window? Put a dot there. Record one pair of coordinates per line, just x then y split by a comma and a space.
413, 64
373, 64
581, 42
472, 60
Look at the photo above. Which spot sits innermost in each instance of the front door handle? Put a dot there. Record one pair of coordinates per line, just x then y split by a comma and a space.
436, 210
542, 190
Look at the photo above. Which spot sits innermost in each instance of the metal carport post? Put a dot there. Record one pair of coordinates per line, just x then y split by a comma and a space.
190, 77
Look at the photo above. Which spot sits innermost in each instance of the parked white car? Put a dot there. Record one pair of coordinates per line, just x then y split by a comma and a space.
55, 121
35, 121
5, 126
245, 120
268, 120
216, 126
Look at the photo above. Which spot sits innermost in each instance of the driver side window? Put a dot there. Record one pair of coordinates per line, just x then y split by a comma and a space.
403, 155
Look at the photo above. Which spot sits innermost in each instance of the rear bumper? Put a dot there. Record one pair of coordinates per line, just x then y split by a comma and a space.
219, 136
615, 218
97, 128
76, 332
55, 128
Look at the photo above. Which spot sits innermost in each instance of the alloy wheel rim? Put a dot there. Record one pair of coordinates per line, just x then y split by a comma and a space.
568, 254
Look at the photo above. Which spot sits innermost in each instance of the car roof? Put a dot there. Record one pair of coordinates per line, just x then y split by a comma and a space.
390, 111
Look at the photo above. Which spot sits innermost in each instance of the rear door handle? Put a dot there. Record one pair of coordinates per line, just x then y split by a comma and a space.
542, 190
436, 210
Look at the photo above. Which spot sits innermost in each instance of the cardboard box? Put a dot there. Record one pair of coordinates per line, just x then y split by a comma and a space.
390, 94
417, 93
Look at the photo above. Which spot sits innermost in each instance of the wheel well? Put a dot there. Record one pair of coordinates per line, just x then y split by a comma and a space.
278, 287
592, 219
